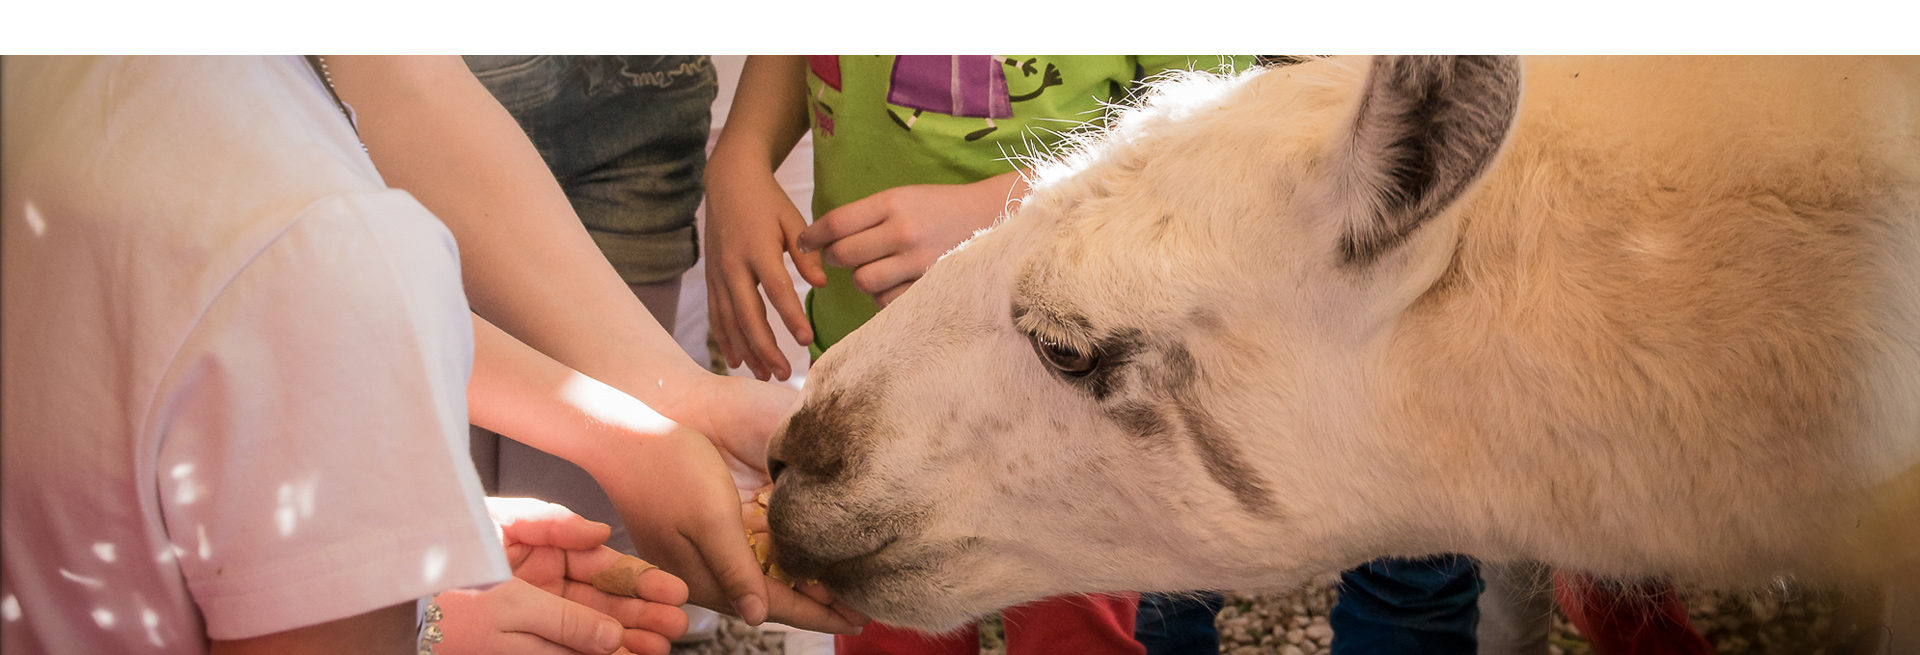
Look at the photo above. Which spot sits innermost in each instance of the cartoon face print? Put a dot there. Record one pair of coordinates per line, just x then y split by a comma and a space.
974, 86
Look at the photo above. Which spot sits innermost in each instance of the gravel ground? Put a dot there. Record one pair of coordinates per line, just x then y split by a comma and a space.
736, 638
1781, 622
1777, 623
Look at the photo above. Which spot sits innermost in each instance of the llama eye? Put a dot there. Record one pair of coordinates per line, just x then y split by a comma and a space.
1067, 361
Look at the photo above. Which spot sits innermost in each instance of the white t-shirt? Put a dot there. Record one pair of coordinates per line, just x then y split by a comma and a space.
235, 363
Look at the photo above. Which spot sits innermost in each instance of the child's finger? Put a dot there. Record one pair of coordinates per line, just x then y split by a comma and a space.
524, 643
816, 591
526, 608
810, 267
887, 297
750, 318
536, 522
779, 289
636, 614
850, 218
625, 575
720, 319
790, 607
880, 276
641, 642
805, 261
731, 561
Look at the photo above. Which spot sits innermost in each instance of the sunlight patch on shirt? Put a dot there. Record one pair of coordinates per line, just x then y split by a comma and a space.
436, 564
90, 583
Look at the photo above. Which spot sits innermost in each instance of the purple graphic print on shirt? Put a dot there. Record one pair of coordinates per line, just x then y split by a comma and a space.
956, 85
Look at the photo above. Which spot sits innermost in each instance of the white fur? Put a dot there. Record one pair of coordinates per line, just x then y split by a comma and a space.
1675, 331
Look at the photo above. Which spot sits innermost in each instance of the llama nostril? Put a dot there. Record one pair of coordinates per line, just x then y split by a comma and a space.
774, 467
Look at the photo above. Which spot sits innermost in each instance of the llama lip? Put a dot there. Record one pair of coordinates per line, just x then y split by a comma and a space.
825, 530
858, 567
866, 558
896, 559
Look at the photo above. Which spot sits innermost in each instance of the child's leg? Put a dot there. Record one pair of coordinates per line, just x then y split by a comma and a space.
1516, 608
1427, 605
876, 639
1179, 624
1639, 620
1073, 624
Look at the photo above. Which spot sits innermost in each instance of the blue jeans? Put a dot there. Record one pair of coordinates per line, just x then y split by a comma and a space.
1427, 606
626, 137
1181, 624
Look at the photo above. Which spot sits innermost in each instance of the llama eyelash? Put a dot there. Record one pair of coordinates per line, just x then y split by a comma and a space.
1038, 325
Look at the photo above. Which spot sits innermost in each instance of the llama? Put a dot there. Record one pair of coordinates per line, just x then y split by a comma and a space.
1630, 316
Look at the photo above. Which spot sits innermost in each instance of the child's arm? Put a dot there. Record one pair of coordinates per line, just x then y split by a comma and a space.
890, 238
681, 503
527, 262
750, 220
385, 630
531, 269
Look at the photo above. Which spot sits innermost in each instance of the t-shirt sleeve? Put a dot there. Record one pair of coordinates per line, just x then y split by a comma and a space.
313, 461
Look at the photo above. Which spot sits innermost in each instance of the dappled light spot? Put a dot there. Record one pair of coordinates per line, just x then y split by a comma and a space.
283, 515
10, 608
34, 220
295, 503
104, 551
90, 583
587, 392
206, 547
151, 621
185, 490
436, 564
103, 616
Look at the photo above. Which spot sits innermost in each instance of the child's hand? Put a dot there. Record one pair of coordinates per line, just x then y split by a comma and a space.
683, 510
890, 238
737, 413
549, 604
750, 224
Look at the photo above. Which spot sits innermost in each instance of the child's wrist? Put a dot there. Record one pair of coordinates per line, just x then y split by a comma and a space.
608, 419
739, 157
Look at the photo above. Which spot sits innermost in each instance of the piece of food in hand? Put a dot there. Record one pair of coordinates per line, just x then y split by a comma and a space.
763, 548
623, 578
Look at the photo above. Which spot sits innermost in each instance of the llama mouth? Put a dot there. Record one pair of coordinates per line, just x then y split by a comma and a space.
894, 561
863, 566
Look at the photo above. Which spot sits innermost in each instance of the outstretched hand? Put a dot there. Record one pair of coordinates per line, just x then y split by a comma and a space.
669, 482
891, 238
682, 505
550, 604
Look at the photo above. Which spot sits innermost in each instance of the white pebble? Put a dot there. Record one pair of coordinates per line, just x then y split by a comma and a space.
1320, 632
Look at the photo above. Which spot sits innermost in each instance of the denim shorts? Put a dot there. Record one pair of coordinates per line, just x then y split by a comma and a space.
626, 137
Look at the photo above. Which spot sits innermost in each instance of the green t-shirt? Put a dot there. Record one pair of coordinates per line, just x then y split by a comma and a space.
882, 121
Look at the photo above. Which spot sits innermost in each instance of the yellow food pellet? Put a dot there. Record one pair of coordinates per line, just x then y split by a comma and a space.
763, 550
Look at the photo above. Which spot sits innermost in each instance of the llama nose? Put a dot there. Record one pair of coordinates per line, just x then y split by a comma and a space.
774, 466
820, 442
825, 528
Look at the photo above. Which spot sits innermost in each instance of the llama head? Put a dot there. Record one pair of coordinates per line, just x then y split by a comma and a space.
1142, 380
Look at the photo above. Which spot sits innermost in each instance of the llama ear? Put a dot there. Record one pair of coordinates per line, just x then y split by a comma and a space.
1426, 128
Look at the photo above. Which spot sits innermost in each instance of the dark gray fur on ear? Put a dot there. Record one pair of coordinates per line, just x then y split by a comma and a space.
1426, 128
